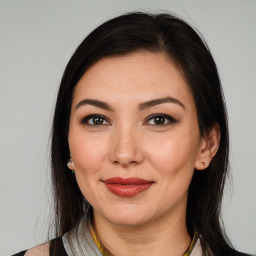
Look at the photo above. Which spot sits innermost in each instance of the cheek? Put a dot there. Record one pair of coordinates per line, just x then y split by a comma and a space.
88, 153
173, 155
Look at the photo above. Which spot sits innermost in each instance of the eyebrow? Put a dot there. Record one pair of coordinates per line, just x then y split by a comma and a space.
142, 106
155, 102
95, 103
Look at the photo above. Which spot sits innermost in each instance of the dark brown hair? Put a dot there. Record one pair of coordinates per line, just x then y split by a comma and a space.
155, 33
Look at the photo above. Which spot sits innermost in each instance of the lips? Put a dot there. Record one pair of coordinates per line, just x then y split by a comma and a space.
127, 187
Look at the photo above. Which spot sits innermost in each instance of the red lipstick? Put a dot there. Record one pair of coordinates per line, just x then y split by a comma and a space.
128, 187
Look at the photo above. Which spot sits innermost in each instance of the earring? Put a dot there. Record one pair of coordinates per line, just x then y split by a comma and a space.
70, 165
204, 164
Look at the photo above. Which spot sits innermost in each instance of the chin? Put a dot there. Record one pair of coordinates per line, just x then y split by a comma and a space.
128, 222
128, 217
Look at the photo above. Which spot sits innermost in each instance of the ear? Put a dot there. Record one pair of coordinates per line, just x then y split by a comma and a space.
208, 148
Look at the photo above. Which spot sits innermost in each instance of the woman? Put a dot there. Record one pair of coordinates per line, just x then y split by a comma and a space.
139, 144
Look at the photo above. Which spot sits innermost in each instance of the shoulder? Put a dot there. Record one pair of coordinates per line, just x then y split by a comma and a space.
53, 247
39, 250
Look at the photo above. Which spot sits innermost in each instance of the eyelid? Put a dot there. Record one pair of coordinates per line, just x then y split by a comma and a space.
87, 118
168, 117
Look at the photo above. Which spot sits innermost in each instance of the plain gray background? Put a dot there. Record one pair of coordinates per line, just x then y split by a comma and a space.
37, 39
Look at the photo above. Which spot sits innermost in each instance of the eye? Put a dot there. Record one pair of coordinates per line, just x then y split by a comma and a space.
95, 120
160, 120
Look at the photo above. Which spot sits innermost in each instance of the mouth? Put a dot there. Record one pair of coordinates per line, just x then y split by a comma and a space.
127, 187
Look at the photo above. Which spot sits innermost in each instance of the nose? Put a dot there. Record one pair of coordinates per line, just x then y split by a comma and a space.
126, 147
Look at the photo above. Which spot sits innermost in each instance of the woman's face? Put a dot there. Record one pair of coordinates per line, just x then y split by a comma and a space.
134, 138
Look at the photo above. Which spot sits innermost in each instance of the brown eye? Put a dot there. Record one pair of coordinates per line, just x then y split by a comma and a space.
159, 120
95, 120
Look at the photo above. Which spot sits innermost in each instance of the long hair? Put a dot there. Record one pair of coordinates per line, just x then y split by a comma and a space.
169, 34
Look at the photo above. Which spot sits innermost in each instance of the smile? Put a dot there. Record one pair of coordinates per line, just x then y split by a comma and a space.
128, 187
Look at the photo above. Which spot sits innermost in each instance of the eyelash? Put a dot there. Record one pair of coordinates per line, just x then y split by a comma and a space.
167, 118
87, 118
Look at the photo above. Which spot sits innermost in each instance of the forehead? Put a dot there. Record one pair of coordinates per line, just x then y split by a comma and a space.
136, 76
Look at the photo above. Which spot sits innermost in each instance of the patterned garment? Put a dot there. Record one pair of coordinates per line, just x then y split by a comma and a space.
83, 241
105, 252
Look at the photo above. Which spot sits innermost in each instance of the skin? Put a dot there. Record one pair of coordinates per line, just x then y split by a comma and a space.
126, 142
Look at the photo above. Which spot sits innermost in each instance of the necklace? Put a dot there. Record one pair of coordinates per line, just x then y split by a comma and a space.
105, 252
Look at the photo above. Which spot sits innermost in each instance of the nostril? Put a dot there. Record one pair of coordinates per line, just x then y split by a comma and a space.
124, 163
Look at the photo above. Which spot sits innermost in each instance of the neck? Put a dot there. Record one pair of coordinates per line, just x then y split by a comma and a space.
159, 237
